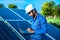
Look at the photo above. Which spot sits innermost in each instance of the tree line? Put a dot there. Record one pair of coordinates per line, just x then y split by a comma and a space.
9, 6
50, 9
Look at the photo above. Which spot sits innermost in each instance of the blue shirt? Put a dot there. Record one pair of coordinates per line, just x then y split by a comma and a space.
39, 24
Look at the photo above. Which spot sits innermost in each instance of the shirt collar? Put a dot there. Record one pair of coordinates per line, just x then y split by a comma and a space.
35, 17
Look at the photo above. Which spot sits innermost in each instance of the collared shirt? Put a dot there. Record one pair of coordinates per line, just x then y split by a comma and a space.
39, 24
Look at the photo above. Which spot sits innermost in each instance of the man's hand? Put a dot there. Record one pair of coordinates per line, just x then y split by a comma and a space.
30, 30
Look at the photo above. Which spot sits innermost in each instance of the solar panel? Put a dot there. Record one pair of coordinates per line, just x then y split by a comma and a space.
6, 33
12, 29
22, 13
7, 14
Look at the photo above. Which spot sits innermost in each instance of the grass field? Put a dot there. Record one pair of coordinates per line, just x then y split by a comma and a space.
55, 22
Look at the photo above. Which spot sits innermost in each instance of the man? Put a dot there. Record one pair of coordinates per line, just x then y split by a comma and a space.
38, 23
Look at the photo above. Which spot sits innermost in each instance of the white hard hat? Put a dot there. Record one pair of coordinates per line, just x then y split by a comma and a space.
29, 8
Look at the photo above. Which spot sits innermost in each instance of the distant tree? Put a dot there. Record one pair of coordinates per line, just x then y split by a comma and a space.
12, 6
47, 8
58, 9
1, 5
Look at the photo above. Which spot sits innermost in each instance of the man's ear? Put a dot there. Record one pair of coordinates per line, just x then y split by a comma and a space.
34, 12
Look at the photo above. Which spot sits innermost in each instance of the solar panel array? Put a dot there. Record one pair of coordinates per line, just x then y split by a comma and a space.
14, 19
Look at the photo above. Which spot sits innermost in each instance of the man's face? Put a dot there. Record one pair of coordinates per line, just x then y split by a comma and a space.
30, 14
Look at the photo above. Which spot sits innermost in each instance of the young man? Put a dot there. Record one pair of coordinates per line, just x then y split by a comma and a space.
39, 23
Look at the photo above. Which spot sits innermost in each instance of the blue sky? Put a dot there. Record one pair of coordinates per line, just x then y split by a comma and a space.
22, 3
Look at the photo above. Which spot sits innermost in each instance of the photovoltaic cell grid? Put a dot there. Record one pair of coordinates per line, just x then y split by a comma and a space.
9, 15
13, 19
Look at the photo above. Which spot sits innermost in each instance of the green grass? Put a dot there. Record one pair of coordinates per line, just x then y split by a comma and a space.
55, 22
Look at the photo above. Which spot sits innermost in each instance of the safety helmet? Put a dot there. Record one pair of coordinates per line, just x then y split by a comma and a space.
29, 8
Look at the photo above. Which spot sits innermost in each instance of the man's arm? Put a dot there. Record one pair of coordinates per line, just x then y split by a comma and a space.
42, 24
